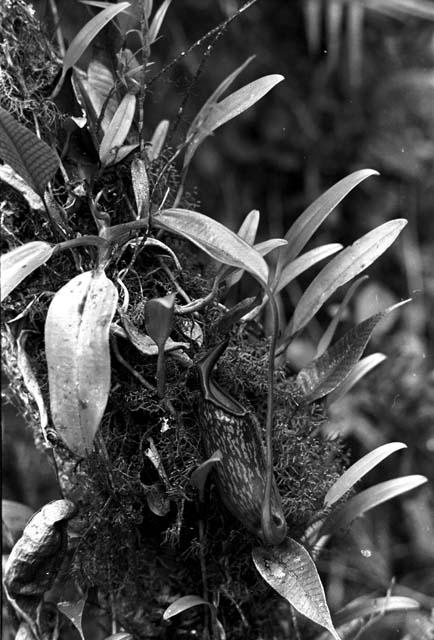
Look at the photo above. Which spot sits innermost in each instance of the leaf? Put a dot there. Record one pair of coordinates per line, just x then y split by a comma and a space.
30, 381
139, 177
218, 113
249, 227
157, 21
153, 149
215, 239
303, 262
14, 180
142, 342
157, 501
74, 612
199, 476
78, 357
36, 558
99, 85
367, 607
182, 604
290, 571
117, 130
309, 221
14, 519
267, 246
122, 635
328, 334
85, 36
359, 469
324, 374
159, 314
21, 262
29, 156
342, 268
357, 373
368, 499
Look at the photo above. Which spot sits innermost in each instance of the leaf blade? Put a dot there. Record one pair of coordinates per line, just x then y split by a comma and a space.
182, 604
118, 129
27, 154
342, 268
20, 262
364, 366
290, 571
295, 268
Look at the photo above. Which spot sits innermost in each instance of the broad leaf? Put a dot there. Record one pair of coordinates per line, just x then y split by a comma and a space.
182, 604
215, 239
303, 262
368, 499
85, 36
324, 374
154, 148
309, 221
249, 227
342, 268
139, 177
290, 571
364, 366
74, 612
117, 130
199, 476
78, 357
14, 180
157, 21
27, 154
21, 262
218, 113
328, 334
359, 469
99, 86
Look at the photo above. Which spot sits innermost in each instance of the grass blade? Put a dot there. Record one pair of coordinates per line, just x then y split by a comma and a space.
359, 469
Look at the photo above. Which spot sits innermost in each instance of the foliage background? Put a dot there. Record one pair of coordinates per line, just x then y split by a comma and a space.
362, 98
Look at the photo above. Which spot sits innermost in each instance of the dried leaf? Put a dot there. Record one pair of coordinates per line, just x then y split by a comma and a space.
139, 177
359, 469
153, 149
118, 130
368, 499
217, 113
182, 604
324, 374
74, 612
199, 476
309, 221
157, 21
78, 357
85, 36
29, 156
21, 262
290, 571
14, 180
31, 383
342, 268
364, 366
36, 558
215, 239
295, 268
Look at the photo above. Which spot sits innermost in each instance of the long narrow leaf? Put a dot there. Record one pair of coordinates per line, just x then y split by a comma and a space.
183, 604
324, 374
230, 107
215, 239
309, 221
118, 129
367, 607
85, 36
368, 499
364, 366
21, 262
157, 21
29, 156
345, 266
158, 139
359, 469
290, 571
293, 269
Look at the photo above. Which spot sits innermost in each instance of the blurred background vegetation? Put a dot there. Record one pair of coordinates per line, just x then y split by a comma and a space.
358, 92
